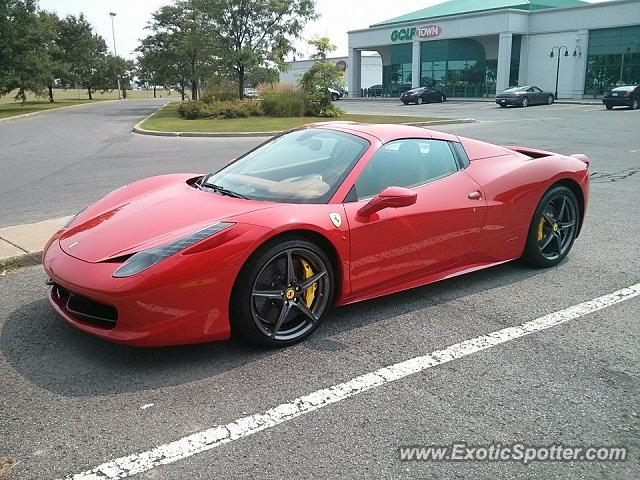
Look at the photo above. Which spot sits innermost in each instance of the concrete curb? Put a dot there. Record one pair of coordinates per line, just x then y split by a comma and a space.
19, 261
142, 131
22, 245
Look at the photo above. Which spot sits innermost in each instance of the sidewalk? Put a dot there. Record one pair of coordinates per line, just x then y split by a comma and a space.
22, 245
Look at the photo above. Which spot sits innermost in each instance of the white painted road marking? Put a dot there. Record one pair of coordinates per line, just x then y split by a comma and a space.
243, 427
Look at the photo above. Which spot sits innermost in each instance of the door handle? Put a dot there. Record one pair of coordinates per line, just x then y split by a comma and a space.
475, 195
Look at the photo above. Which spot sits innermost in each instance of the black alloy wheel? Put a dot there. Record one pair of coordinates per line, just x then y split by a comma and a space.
553, 228
281, 296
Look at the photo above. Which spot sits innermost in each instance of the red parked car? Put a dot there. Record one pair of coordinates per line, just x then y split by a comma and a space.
328, 214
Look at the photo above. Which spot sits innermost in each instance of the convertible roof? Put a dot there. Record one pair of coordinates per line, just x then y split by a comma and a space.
386, 132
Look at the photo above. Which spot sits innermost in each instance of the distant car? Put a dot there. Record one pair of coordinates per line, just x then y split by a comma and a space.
524, 96
250, 92
422, 95
336, 94
624, 96
375, 90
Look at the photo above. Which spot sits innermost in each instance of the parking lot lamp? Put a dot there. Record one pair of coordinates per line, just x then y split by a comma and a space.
113, 34
566, 54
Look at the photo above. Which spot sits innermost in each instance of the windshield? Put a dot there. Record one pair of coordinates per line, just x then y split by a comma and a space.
303, 166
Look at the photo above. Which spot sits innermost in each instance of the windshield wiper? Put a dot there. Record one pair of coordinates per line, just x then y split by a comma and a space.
222, 190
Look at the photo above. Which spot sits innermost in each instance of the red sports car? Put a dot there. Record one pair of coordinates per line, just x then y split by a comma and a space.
328, 214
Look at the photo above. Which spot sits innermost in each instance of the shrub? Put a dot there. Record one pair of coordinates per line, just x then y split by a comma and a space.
193, 109
316, 105
280, 100
237, 109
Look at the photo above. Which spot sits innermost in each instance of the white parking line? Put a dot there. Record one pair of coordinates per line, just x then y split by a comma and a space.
243, 427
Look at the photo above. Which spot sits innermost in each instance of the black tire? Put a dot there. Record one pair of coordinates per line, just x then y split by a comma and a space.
550, 239
524, 103
442, 99
503, 105
550, 100
335, 97
406, 103
609, 106
252, 313
634, 104
420, 101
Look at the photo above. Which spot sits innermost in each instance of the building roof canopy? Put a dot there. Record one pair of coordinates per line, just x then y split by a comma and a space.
459, 7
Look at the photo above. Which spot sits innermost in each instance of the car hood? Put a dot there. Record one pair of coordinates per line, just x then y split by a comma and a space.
147, 214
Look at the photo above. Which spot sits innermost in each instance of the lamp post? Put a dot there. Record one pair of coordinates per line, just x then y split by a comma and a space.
566, 54
115, 54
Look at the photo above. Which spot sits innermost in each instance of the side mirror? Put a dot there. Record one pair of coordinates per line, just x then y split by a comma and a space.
390, 197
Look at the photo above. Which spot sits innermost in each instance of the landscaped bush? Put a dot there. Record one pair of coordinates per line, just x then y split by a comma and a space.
236, 109
193, 109
280, 100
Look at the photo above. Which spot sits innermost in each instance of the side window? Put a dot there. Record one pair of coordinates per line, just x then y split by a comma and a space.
530, 89
406, 163
537, 90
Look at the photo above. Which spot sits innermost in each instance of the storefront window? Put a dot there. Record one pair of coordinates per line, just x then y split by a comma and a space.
396, 77
457, 67
613, 59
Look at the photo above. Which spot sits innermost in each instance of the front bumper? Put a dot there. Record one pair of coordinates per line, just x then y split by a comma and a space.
182, 300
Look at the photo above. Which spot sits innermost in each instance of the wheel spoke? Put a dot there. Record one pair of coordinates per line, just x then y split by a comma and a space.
547, 241
267, 293
291, 274
565, 225
549, 218
303, 308
286, 308
311, 280
559, 241
562, 208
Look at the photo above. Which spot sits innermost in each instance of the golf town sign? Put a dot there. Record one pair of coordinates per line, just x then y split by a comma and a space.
426, 32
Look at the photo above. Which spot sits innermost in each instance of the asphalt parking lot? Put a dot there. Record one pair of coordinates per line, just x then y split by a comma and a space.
71, 402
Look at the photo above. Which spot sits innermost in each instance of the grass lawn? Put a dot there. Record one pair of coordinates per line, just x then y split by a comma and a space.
167, 120
63, 98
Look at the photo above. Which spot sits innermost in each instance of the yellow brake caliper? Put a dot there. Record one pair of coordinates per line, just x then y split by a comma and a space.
541, 228
309, 293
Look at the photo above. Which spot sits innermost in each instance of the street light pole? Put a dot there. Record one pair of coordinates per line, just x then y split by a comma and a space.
115, 54
566, 54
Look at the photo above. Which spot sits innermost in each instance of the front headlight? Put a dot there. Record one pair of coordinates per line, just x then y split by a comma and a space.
147, 258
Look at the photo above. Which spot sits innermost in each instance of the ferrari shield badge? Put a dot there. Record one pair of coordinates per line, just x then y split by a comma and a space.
336, 219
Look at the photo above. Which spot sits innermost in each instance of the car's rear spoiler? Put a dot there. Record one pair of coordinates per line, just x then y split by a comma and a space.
535, 153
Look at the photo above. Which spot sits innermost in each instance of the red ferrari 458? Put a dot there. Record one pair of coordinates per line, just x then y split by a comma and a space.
328, 214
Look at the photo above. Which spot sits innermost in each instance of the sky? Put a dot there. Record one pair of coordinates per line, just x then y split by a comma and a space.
336, 18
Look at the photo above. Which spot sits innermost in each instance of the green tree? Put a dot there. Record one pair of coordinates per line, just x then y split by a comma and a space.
183, 33
25, 33
323, 47
323, 75
83, 53
158, 63
112, 68
253, 33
